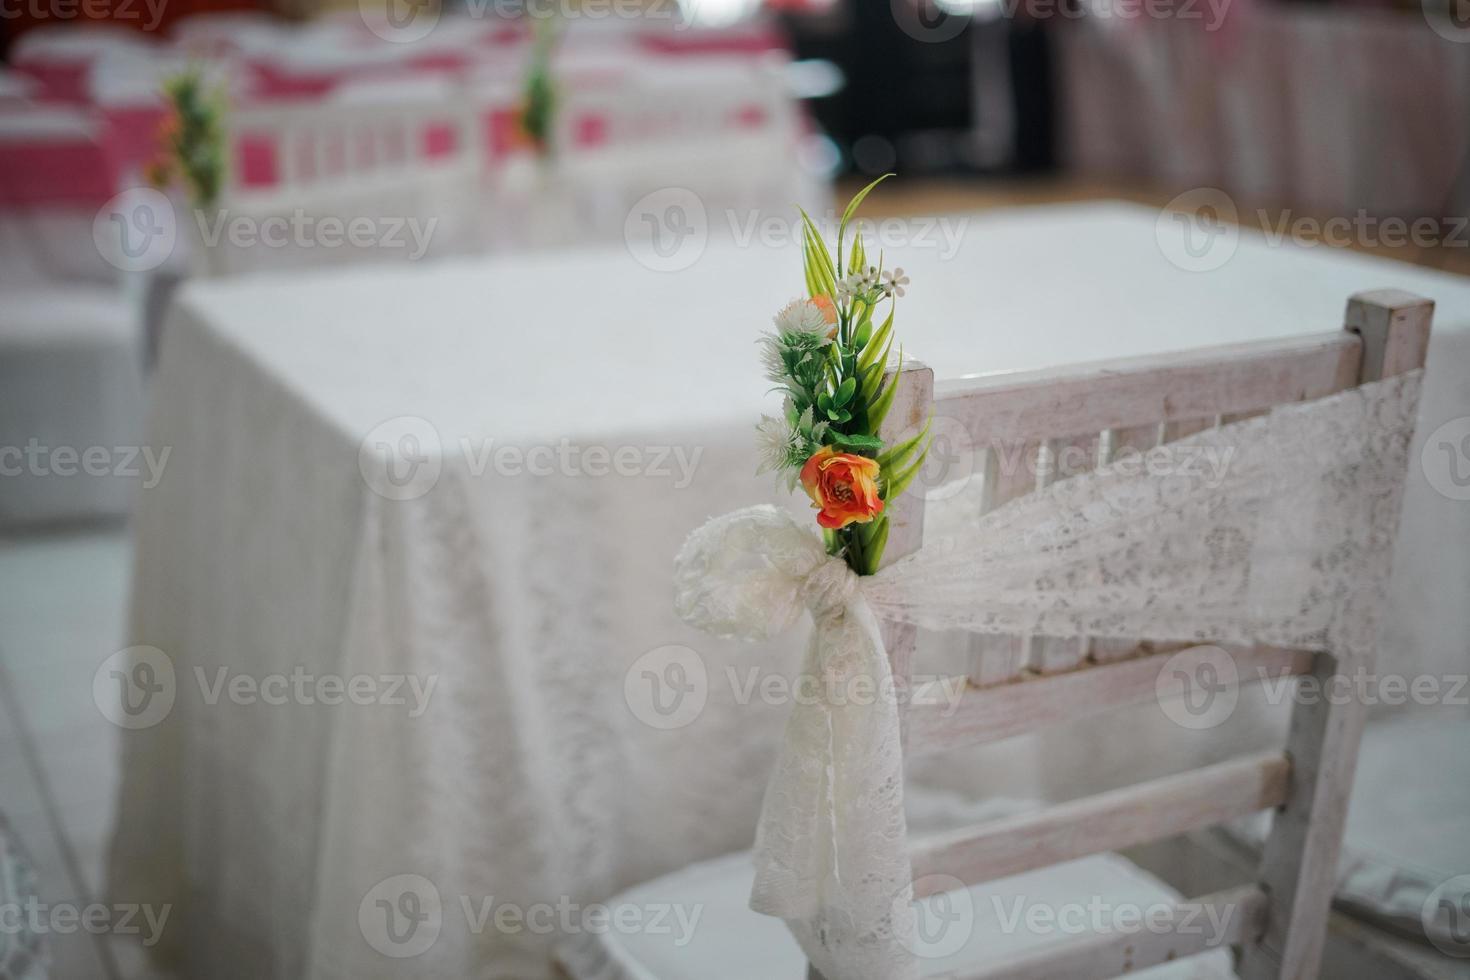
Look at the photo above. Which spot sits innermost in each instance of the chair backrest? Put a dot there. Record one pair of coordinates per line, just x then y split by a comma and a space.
323, 142
1027, 683
56, 171
407, 174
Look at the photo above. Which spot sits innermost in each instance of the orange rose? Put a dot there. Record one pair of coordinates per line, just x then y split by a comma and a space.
843, 487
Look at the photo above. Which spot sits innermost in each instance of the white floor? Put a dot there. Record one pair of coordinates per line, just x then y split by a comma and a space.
62, 607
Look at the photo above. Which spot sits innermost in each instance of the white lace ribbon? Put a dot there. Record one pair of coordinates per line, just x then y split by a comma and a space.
1273, 530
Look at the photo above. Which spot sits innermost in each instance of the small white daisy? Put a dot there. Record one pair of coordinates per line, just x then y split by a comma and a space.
801, 316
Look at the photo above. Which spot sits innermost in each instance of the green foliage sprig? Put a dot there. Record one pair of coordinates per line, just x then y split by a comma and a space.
829, 356
539, 97
191, 140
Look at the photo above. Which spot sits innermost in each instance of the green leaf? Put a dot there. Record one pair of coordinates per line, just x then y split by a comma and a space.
859, 255
845, 391
864, 330
852, 206
878, 411
857, 442
824, 402
872, 375
869, 380
826, 272
900, 483
874, 538
897, 455
876, 344
812, 285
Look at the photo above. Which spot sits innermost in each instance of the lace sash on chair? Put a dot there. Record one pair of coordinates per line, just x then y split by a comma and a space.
1276, 530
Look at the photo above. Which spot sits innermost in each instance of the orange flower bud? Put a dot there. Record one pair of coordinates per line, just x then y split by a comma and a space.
824, 303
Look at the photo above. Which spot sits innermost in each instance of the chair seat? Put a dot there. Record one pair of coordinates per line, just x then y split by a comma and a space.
961, 934
56, 315
71, 378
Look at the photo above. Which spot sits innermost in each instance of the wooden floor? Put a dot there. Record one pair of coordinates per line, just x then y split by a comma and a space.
903, 198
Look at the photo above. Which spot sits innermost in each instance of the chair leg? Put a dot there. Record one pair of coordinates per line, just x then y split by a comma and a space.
1299, 865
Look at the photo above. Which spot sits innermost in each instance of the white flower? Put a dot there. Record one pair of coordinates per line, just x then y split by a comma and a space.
775, 441
771, 360
895, 281
801, 316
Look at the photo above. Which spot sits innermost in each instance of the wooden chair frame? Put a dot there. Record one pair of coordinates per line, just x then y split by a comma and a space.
1280, 922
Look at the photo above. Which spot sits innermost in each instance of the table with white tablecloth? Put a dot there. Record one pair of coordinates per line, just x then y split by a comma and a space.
472, 477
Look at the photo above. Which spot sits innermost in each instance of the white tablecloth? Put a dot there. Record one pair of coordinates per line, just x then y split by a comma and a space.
265, 551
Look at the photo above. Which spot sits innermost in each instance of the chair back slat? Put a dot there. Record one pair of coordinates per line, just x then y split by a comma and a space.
1035, 702
1004, 410
1110, 821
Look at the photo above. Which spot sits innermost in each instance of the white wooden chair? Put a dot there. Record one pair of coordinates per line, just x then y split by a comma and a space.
384, 159
1277, 923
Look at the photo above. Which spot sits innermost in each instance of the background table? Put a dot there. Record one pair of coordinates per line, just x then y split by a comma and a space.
273, 543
